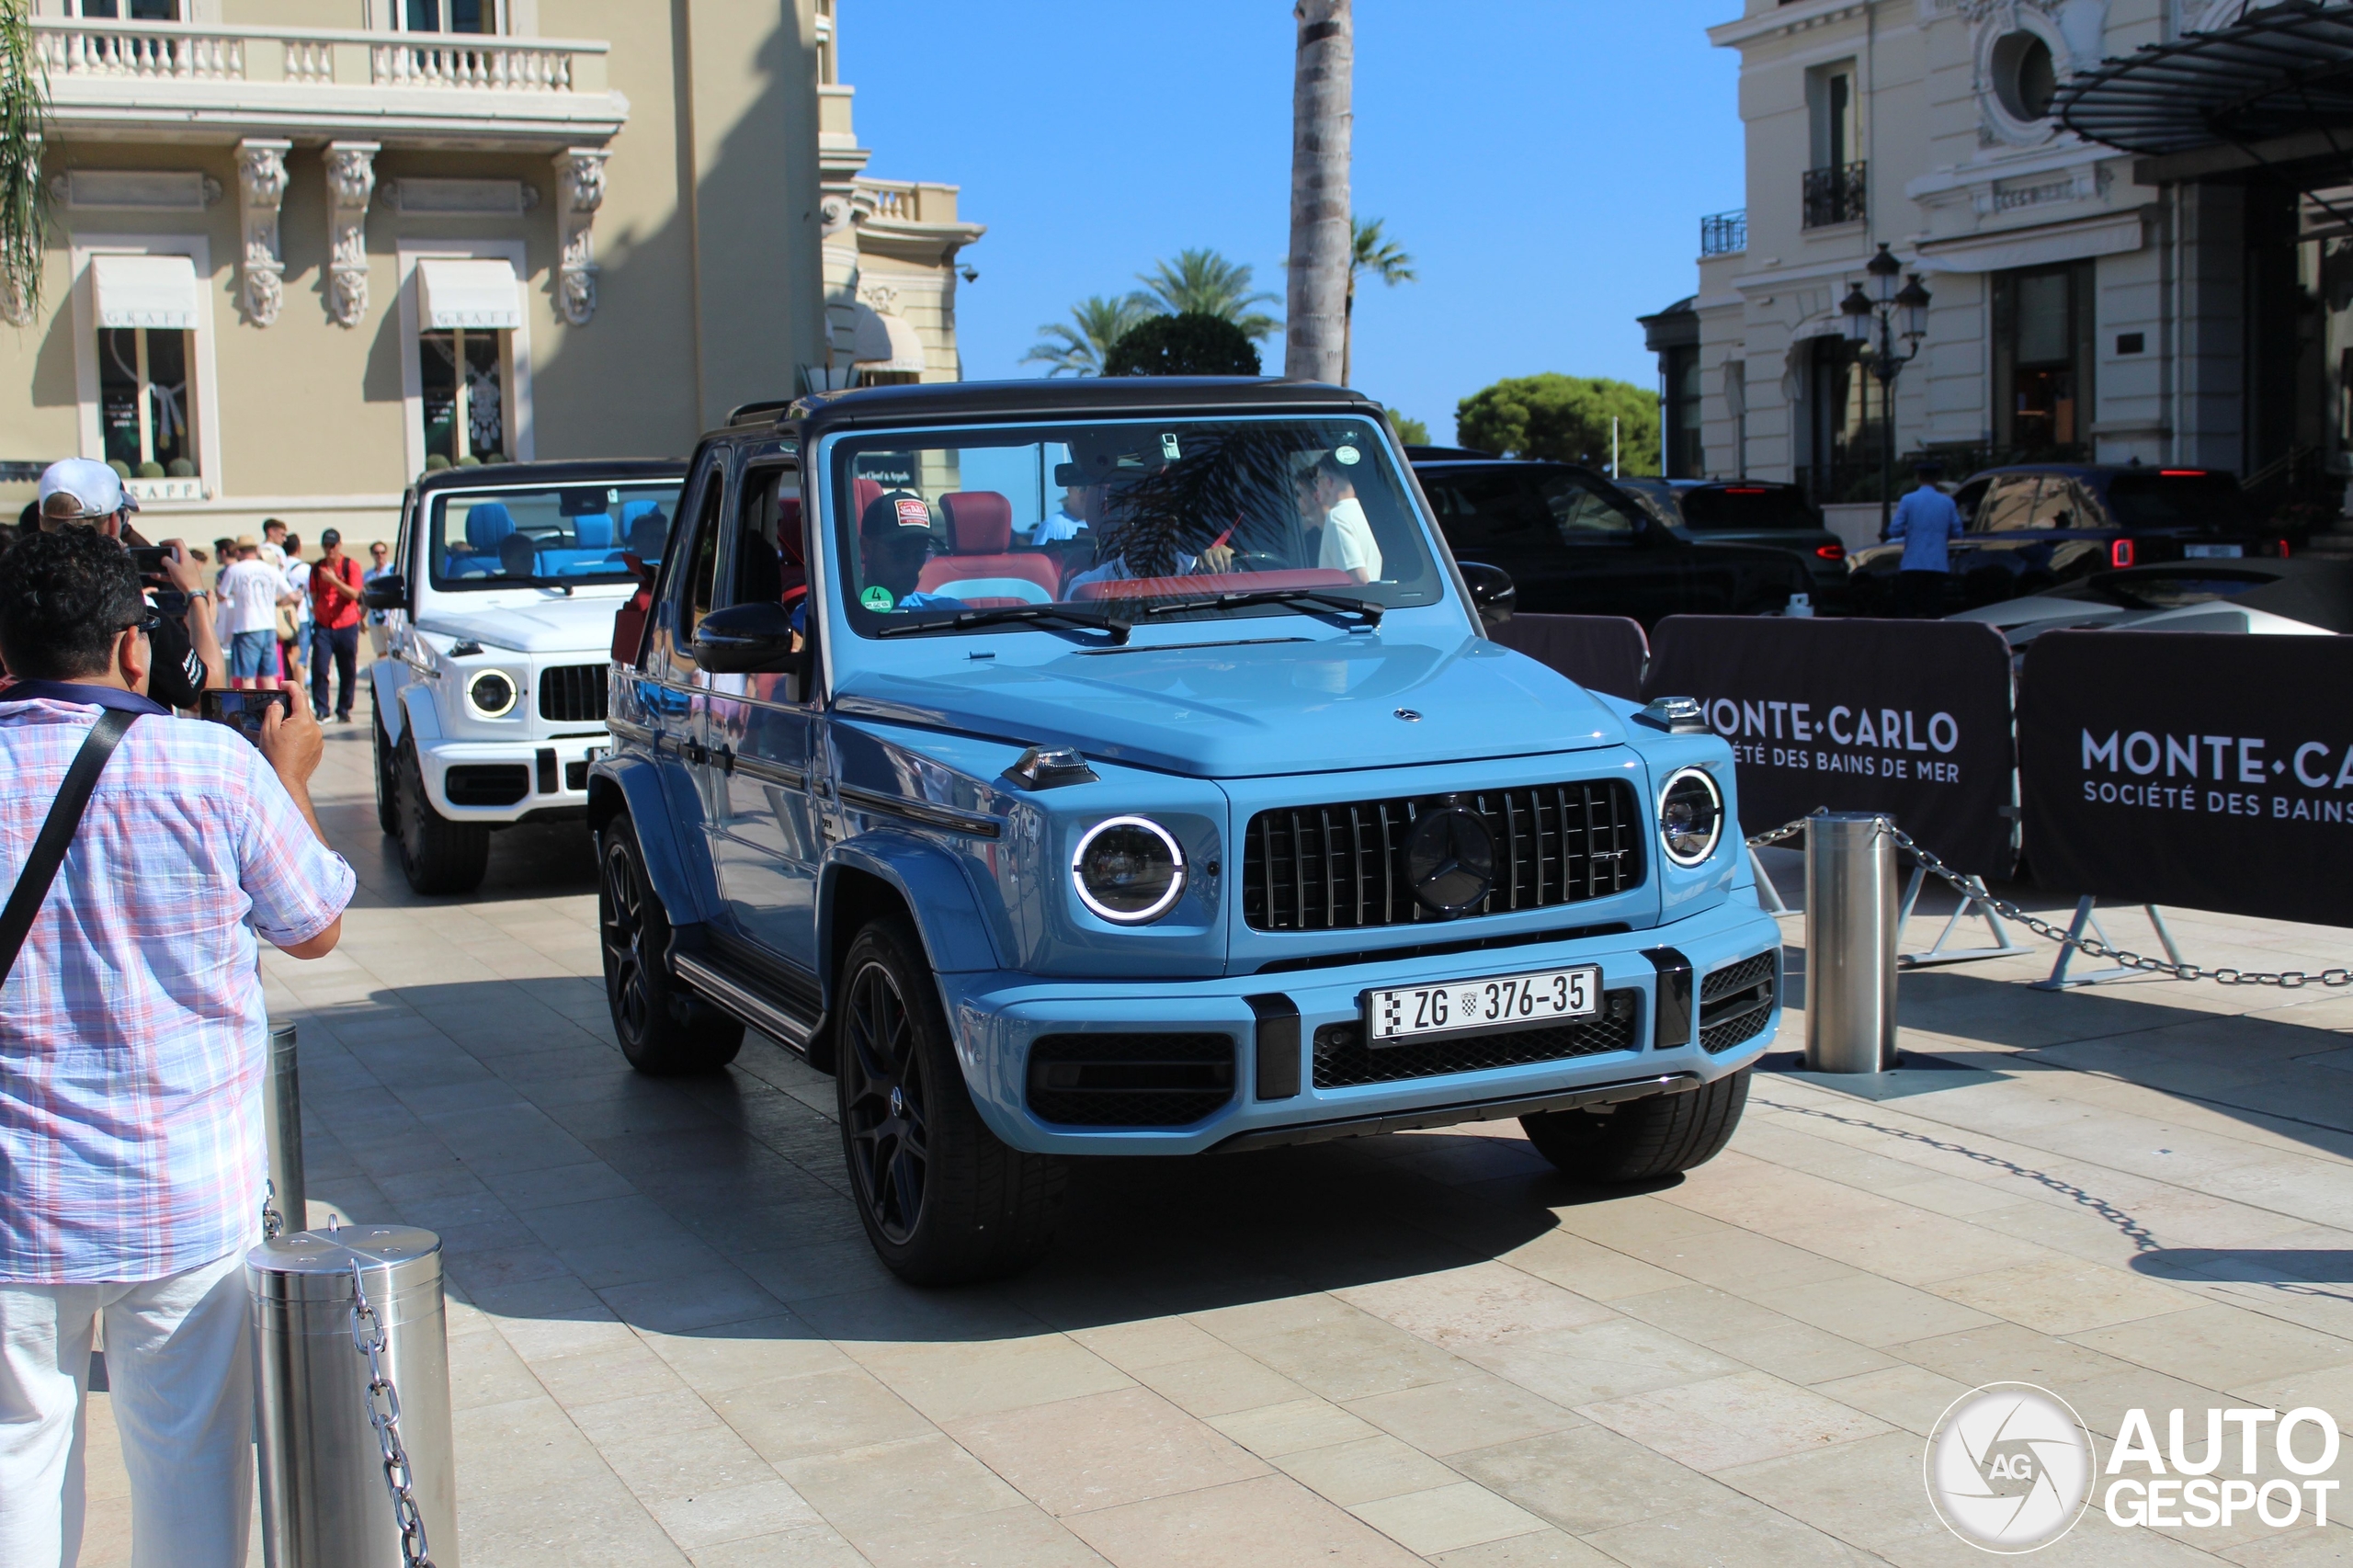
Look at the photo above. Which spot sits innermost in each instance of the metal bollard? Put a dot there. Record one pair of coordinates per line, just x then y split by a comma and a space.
1850, 943
281, 1122
325, 1501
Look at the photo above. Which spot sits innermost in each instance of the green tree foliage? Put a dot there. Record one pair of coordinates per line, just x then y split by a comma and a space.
1203, 282
1191, 343
1411, 431
1369, 251
23, 95
1563, 418
1079, 344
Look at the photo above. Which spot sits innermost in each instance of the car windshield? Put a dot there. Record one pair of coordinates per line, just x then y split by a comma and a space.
1726, 509
559, 534
2177, 590
2178, 499
1143, 521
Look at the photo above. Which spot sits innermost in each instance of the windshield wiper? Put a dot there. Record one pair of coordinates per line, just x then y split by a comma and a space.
1005, 615
1369, 609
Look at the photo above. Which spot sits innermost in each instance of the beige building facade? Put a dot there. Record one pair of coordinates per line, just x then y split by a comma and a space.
2088, 305
301, 251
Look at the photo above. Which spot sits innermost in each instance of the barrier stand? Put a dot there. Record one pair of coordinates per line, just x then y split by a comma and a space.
1974, 896
1850, 941
1768, 894
281, 1124
2086, 914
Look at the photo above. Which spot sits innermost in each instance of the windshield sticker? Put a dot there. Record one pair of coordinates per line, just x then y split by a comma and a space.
1347, 454
1169, 448
878, 599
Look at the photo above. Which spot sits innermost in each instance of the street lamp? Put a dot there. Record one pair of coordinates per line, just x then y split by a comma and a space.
1895, 314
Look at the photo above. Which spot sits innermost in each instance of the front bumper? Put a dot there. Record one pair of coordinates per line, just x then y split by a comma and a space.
997, 1017
553, 776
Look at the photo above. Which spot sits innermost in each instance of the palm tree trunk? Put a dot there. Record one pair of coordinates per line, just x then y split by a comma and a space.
1348, 333
1316, 338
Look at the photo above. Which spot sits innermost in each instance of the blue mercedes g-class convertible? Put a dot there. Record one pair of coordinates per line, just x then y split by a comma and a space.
1119, 766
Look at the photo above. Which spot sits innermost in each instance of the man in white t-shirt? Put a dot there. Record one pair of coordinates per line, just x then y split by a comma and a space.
296, 652
250, 591
1327, 501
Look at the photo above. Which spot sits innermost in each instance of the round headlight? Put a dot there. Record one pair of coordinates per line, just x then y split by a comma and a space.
1690, 816
492, 694
1130, 870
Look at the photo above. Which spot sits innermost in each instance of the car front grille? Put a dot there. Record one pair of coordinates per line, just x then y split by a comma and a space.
487, 784
1130, 1080
573, 694
1343, 867
1735, 1003
1344, 1060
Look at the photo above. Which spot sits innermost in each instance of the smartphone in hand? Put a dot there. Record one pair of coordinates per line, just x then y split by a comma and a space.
242, 710
148, 559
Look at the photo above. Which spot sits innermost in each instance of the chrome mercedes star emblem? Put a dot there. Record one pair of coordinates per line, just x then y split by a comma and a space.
898, 1103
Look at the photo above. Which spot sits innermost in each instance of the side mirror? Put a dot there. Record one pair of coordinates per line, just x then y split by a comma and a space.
387, 592
753, 639
1492, 592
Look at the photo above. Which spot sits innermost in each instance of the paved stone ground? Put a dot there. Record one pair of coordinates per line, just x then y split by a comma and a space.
671, 1344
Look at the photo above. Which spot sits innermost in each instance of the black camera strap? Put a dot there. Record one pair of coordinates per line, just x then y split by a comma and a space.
57, 831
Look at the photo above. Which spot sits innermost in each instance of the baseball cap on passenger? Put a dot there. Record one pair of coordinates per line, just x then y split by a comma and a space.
75, 490
898, 509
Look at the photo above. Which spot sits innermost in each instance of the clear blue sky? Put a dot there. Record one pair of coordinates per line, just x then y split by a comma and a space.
1546, 162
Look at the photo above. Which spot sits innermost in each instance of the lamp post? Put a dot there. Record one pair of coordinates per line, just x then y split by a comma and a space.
1895, 314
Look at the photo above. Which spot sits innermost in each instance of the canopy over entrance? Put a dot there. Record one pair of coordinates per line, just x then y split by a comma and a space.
2278, 72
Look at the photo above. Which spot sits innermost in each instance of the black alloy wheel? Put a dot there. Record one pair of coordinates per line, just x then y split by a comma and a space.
663, 1030
388, 797
884, 1096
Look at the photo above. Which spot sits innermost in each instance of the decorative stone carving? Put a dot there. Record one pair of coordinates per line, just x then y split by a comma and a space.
351, 180
135, 191
580, 191
261, 185
419, 196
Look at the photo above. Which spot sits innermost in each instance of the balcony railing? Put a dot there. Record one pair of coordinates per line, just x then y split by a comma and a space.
75, 51
1723, 233
1834, 195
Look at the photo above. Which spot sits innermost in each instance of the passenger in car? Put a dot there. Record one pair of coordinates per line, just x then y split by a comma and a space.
1081, 503
894, 539
1327, 503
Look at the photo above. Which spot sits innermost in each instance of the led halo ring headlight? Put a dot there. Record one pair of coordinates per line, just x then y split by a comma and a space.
1690, 816
1128, 870
490, 694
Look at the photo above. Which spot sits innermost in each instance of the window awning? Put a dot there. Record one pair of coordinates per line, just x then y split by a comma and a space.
2275, 71
471, 294
145, 291
885, 343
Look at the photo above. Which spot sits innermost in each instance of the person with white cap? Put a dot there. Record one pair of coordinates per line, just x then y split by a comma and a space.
85, 492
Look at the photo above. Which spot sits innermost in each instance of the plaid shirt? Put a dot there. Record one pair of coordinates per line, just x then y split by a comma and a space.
133, 1039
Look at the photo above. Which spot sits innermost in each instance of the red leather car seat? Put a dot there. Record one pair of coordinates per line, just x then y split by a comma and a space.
981, 557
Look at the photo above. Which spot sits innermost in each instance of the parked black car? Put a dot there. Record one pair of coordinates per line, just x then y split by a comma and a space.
2034, 526
1750, 511
1575, 544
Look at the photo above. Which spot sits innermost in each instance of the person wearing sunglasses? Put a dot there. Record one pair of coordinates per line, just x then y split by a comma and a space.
134, 1050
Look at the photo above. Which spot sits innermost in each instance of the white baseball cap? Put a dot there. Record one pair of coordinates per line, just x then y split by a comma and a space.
75, 490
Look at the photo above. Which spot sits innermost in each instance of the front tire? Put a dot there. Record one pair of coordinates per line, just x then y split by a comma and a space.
388, 794
438, 856
943, 1201
1642, 1140
663, 1031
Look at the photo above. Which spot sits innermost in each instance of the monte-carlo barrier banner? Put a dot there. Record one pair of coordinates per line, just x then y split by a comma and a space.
2196, 768
1906, 717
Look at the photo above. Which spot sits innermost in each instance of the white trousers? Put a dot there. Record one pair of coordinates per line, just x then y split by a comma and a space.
179, 1368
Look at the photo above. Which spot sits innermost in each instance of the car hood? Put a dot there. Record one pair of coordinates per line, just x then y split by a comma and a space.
580, 624
1311, 706
2021, 620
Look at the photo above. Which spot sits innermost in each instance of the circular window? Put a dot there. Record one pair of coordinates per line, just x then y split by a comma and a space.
2024, 77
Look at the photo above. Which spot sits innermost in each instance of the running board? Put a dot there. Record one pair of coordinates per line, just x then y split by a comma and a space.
785, 1025
1447, 1116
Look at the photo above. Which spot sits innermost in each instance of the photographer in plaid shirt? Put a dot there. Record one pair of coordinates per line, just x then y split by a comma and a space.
133, 1048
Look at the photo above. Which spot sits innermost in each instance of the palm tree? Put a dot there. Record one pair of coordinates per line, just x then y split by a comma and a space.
1079, 344
1369, 250
1320, 126
1202, 281
23, 89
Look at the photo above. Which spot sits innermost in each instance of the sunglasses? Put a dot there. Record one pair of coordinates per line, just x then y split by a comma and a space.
150, 621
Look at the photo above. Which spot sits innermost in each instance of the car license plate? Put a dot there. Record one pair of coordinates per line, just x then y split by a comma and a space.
2214, 551
1414, 1012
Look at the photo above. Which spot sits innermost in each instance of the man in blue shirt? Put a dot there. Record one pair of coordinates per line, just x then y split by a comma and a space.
1926, 521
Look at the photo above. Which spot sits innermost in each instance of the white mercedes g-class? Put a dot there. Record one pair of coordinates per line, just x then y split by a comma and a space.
490, 701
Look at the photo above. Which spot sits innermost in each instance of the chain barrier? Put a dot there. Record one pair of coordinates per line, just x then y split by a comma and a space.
385, 1415
272, 1221
1970, 888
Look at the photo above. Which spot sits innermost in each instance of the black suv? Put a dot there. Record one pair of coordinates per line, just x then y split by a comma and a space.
1751, 511
1575, 544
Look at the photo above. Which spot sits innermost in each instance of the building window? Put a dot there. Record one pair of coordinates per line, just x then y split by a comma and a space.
2025, 80
1834, 182
2042, 361
128, 10
1845, 425
143, 401
449, 15
464, 380
1684, 458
